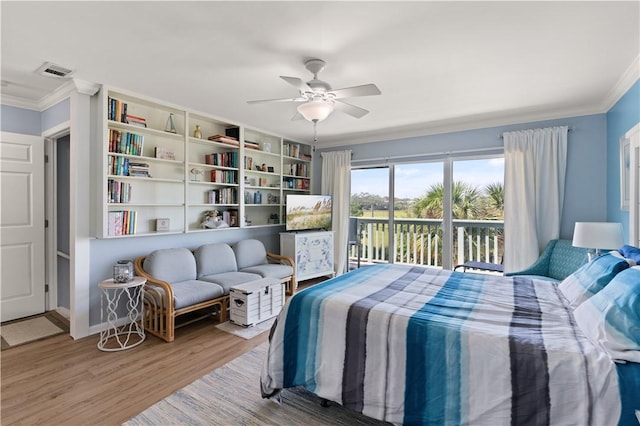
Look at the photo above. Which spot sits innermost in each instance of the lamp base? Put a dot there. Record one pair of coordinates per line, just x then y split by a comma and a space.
593, 254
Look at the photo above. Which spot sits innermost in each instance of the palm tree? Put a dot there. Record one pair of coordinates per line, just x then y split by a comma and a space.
495, 192
464, 201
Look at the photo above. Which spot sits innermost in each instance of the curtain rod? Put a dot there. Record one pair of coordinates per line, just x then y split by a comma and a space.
417, 157
502, 137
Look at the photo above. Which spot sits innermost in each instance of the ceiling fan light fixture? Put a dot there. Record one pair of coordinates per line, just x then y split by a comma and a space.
315, 110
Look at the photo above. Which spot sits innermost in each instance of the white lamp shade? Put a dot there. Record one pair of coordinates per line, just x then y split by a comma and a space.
315, 110
598, 235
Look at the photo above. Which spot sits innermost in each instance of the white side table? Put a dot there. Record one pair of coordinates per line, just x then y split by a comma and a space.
131, 334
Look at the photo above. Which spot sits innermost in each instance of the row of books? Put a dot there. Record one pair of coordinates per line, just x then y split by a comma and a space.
293, 183
293, 150
120, 166
125, 143
222, 196
223, 159
118, 192
296, 169
224, 176
122, 222
117, 111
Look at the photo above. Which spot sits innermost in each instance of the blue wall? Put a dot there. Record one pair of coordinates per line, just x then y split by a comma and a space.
20, 120
621, 117
29, 122
57, 114
585, 165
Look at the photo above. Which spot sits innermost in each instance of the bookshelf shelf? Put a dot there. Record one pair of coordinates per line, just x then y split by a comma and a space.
149, 173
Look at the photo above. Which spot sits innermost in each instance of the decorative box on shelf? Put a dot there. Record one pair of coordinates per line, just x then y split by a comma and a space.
256, 301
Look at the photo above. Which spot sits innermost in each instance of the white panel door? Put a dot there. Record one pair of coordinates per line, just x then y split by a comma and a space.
21, 226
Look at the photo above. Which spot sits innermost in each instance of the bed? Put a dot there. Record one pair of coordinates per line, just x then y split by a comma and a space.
413, 345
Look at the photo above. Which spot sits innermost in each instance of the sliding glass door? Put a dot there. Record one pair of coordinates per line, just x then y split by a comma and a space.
439, 213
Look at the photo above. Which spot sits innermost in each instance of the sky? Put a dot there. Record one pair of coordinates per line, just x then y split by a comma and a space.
412, 180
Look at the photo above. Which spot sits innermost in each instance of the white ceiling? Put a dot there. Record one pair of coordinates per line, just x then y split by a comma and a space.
440, 65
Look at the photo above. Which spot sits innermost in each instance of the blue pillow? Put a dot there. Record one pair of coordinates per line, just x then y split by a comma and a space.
630, 252
611, 318
591, 278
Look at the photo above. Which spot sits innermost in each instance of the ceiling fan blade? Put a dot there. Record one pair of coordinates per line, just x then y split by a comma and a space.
352, 92
277, 100
352, 110
297, 116
297, 83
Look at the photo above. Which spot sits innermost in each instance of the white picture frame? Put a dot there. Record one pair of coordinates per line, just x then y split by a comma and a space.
625, 163
163, 224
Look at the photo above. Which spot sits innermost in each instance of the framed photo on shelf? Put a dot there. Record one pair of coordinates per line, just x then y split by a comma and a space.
162, 224
270, 169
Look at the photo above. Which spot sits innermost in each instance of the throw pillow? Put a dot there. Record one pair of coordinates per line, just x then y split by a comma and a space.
591, 278
611, 318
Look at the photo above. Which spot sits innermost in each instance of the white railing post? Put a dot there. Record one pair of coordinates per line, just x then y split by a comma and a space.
369, 241
415, 244
487, 257
496, 258
460, 260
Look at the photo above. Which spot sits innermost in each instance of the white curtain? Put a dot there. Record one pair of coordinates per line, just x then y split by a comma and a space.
534, 174
336, 181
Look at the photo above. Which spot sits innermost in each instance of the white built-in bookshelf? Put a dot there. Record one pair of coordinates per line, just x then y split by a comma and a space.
160, 176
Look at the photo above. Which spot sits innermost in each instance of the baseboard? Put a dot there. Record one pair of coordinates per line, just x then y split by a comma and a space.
64, 312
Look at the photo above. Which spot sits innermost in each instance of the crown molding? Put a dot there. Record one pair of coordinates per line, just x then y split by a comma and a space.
49, 100
628, 79
56, 96
460, 124
17, 102
86, 87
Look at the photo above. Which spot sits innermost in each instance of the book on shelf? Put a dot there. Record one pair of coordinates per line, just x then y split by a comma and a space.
252, 145
224, 139
164, 153
125, 142
118, 192
248, 163
223, 176
115, 223
122, 222
223, 159
138, 169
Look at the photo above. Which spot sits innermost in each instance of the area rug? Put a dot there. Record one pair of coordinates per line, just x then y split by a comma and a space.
230, 395
246, 332
30, 329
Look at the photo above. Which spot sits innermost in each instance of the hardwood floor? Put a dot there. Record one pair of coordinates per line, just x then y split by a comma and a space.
59, 381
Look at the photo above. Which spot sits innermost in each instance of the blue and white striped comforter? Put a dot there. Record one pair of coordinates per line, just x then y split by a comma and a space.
424, 346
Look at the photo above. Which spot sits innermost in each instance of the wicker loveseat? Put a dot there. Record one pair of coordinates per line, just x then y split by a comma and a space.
181, 281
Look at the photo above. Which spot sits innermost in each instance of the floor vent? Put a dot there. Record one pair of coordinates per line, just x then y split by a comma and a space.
52, 70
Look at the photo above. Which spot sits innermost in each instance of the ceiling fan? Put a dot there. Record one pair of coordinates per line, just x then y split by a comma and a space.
319, 100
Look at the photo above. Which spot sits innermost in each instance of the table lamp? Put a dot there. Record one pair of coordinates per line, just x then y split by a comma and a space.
597, 235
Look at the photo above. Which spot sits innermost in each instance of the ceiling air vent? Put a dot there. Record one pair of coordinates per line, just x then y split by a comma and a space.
52, 70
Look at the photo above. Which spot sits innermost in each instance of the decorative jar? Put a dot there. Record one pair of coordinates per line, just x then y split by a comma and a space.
123, 271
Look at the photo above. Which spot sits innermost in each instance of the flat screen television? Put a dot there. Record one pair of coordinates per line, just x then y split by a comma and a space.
305, 212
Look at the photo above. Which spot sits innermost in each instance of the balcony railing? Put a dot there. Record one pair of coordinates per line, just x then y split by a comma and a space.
419, 241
